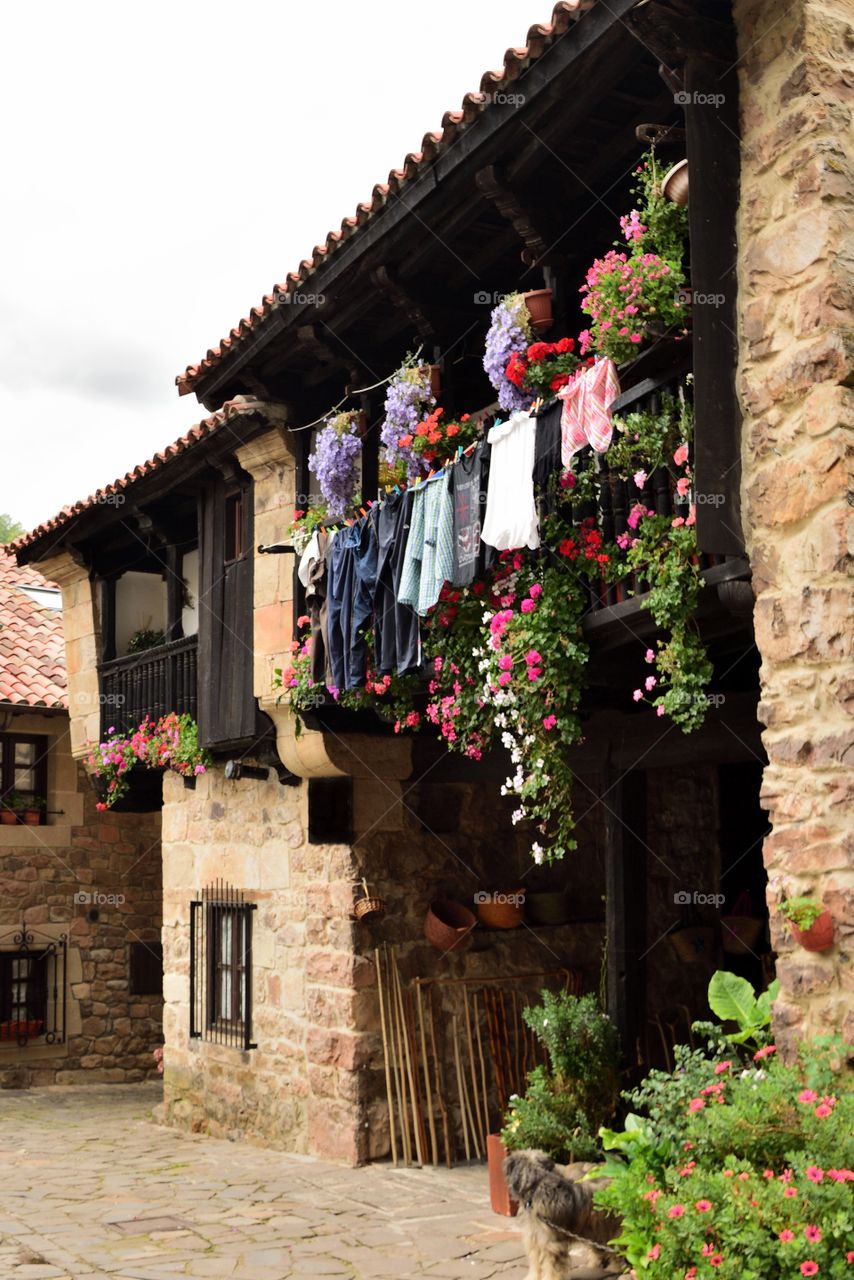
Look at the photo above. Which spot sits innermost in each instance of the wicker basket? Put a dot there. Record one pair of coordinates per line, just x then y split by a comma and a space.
369, 908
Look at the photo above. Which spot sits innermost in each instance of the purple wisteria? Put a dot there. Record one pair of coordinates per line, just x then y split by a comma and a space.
509, 332
335, 462
408, 401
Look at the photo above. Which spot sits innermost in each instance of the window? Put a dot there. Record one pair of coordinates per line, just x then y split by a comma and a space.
32, 986
23, 767
221, 967
146, 968
233, 526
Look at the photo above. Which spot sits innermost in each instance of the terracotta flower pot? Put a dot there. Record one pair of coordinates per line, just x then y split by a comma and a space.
539, 304
500, 910
8, 817
499, 1196
448, 925
32, 817
674, 184
818, 937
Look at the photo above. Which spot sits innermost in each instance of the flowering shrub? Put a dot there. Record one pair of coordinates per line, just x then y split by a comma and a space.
304, 523
630, 298
407, 400
737, 1168
636, 295
335, 461
172, 742
564, 1105
509, 334
435, 440
543, 368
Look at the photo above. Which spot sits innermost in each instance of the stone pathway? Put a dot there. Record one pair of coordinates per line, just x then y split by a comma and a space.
91, 1189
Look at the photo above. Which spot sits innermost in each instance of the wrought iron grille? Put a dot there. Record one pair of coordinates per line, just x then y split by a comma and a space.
32, 987
221, 967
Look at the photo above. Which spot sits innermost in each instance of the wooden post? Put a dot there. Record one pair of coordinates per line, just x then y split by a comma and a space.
624, 803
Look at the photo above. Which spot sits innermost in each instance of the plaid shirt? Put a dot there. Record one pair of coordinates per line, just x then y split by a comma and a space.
429, 559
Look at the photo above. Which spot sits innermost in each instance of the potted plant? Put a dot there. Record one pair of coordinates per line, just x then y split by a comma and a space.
811, 923
409, 399
11, 808
335, 461
145, 638
568, 1101
539, 305
32, 810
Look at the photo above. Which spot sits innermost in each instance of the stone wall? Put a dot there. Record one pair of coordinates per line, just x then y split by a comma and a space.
796, 265
113, 861
315, 1082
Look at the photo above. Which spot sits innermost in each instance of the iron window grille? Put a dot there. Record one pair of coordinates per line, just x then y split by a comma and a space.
32, 987
221, 967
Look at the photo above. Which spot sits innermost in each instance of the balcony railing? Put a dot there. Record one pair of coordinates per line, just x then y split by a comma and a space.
151, 683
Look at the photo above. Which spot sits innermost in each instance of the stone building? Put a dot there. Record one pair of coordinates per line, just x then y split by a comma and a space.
80, 966
268, 848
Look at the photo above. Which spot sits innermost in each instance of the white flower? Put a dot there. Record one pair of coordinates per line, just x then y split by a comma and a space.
537, 855
517, 816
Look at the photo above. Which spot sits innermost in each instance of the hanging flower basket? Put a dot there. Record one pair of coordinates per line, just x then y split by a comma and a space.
448, 925
818, 937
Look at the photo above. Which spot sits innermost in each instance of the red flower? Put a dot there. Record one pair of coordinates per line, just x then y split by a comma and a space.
539, 350
452, 430
422, 428
703, 1206
560, 381
564, 346
405, 441
809, 1268
516, 370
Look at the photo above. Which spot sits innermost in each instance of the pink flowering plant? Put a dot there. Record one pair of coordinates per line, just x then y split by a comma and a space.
172, 742
635, 293
737, 1165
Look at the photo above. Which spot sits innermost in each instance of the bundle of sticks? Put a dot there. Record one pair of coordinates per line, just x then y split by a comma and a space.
454, 1052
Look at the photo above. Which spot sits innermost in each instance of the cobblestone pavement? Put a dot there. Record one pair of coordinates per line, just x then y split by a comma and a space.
91, 1189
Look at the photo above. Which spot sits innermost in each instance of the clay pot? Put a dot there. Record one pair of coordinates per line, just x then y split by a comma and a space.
8, 817
694, 945
740, 934
435, 381
674, 184
448, 925
818, 937
32, 817
499, 1195
539, 304
501, 910
547, 908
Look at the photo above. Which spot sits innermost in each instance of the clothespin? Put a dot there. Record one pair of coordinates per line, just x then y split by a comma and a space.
430, 475
459, 451
363, 511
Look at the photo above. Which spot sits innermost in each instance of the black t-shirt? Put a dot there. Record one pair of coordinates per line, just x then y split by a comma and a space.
468, 484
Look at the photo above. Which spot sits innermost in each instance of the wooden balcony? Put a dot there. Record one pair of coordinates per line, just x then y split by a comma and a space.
151, 683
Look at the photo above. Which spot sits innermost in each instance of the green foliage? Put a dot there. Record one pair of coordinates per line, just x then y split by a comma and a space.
172, 742
748, 1174
731, 999
666, 222
566, 1103
645, 441
145, 638
15, 801
9, 529
803, 912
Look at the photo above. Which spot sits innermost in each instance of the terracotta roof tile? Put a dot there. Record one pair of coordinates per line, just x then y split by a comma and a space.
516, 60
32, 646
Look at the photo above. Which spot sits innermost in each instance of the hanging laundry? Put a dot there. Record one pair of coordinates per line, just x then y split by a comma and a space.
547, 457
350, 591
468, 484
397, 637
511, 517
429, 559
587, 404
313, 573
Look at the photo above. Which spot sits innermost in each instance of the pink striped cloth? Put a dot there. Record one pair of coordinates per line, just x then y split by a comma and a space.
586, 416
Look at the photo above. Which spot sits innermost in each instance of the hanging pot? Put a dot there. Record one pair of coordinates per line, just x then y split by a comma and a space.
448, 925
435, 381
674, 184
547, 908
500, 910
539, 304
818, 937
740, 934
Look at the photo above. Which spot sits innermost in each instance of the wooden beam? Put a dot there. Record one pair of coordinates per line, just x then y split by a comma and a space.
402, 299
623, 799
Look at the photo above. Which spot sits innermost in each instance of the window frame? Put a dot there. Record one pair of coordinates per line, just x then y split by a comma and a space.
8, 981
221, 967
41, 743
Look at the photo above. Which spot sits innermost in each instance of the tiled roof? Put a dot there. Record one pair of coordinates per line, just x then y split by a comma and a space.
102, 497
540, 36
32, 647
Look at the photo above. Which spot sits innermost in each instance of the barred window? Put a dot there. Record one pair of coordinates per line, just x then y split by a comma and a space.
221, 967
32, 986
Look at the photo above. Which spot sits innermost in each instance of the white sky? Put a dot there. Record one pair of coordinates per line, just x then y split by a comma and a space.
163, 167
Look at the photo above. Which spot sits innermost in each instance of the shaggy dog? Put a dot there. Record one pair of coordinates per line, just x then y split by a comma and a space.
564, 1235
